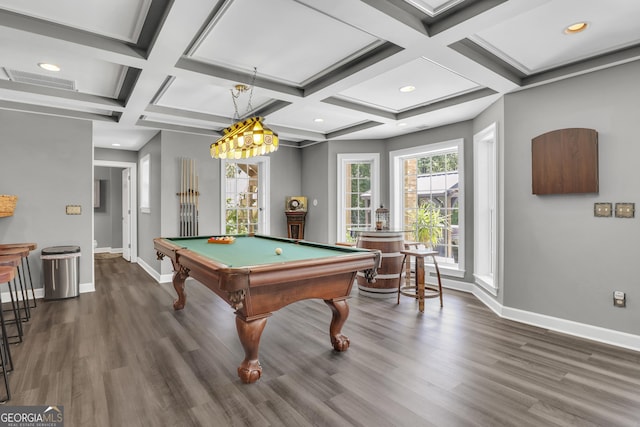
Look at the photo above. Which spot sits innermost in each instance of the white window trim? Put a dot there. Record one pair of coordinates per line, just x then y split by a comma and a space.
145, 183
491, 283
396, 158
343, 159
264, 219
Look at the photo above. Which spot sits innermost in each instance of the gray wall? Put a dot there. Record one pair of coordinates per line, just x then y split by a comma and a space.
107, 218
286, 180
47, 162
315, 186
559, 259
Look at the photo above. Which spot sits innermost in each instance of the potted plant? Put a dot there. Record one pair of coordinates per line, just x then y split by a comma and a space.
429, 223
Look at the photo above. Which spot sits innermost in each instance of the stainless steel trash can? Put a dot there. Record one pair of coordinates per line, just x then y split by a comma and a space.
61, 270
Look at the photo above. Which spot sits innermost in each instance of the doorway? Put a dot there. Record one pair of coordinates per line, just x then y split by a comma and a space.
129, 201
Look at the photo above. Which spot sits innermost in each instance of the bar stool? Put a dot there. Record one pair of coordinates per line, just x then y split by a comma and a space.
31, 247
13, 261
420, 290
23, 252
7, 274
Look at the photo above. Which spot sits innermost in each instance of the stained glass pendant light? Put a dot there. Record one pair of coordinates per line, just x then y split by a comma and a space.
245, 138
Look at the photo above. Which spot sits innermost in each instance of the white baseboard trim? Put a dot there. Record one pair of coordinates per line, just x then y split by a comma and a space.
108, 250
486, 299
453, 284
39, 292
582, 330
569, 327
150, 271
160, 278
84, 288
167, 278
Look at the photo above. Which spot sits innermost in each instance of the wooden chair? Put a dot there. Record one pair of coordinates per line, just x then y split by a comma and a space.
420, 290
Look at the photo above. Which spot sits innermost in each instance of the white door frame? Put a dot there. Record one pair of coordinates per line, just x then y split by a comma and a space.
264, 221
126, 214
133, 197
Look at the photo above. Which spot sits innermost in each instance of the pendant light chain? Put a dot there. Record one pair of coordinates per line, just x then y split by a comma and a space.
253, 84
241, 89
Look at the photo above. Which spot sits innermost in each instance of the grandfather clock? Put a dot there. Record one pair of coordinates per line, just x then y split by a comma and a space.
296, 212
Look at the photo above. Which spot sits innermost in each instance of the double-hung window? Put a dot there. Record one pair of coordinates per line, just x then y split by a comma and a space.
358, 193
427, 197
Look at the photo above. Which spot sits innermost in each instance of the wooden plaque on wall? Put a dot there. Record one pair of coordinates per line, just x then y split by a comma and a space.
565, 161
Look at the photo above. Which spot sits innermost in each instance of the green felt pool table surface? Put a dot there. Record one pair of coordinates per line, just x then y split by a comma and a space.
258, 250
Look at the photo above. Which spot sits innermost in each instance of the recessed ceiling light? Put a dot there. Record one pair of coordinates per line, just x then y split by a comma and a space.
407, 89
115, 144
401, 124
318, 120
576, 28
48, 67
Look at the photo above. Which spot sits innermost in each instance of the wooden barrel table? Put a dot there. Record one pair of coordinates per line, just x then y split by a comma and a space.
390, 243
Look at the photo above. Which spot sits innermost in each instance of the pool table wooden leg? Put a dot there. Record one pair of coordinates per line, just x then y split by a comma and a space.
250, 332
340, 311
179, 277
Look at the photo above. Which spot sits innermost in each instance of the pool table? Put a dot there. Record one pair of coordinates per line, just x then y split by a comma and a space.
256, 281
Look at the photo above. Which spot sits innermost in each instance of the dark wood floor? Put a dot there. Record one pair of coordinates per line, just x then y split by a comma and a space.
122, 357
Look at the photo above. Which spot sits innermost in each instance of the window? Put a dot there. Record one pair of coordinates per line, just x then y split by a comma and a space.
244, 186
358, 192
145, 183
427, 199
485, 234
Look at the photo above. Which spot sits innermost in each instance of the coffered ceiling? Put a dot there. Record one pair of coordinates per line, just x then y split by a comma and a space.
319, 69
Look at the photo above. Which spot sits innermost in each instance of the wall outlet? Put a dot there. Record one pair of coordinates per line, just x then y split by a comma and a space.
619, 299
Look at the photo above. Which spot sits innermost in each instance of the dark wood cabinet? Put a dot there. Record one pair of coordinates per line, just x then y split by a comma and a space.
565, 161
295, 224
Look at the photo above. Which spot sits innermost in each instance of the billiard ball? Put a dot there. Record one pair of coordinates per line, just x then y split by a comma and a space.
278, 251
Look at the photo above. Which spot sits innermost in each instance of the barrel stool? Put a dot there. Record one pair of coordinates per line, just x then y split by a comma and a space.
7, 274
421, 290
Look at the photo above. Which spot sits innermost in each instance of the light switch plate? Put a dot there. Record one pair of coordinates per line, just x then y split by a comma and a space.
625, 210
74, 209
602, 209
